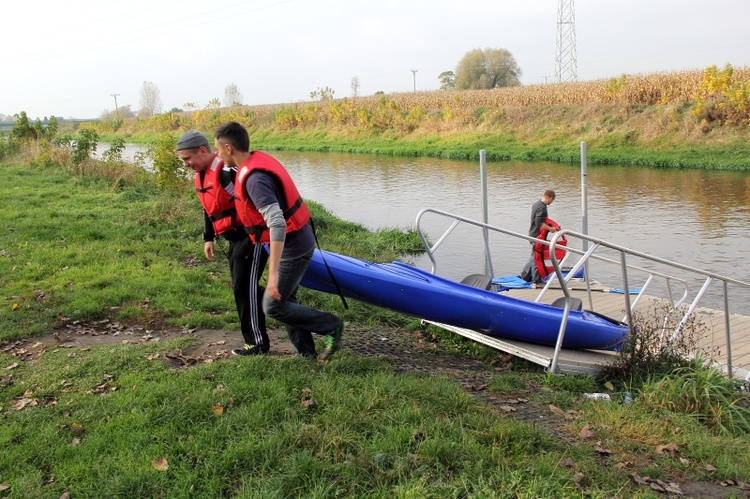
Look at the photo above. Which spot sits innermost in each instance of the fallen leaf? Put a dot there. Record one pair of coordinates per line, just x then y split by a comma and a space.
657, 487
556, 410
568, 463
14, 307
4, 486
152, 356
671, 448
508, 408
12, 366
710, 467
75, 441
610, 386
684, 461
601, 450
586, 432
21, 403
310, 403
160, 464
578, 477
218, 409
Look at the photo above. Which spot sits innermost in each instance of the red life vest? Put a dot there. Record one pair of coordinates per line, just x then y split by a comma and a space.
541, 251
217, 202
296, 213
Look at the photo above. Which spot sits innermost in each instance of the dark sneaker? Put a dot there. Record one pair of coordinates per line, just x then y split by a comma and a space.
251, 350
333, 342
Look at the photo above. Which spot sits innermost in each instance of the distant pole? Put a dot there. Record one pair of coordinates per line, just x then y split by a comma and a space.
115, 96
414, 73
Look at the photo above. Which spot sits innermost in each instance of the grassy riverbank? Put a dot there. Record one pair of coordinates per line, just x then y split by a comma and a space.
693, 119
99, 244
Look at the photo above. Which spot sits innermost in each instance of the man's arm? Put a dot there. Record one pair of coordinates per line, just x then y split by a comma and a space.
208, 237
274, 219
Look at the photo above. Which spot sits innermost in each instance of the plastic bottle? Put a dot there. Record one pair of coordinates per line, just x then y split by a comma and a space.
597, 396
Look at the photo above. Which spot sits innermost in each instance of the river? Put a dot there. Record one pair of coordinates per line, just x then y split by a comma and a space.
696, 218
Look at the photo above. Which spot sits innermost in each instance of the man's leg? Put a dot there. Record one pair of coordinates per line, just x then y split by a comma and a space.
299, 319
301, 340
246, 263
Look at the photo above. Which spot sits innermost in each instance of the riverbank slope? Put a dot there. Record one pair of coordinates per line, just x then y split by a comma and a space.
691, 119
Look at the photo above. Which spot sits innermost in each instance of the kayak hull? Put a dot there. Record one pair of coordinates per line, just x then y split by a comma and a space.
412, 291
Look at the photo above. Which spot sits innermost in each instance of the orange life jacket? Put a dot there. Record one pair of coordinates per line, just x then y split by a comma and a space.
295, 211
217, 202
541, 251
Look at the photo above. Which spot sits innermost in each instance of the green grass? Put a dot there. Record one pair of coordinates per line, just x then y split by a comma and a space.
109, 422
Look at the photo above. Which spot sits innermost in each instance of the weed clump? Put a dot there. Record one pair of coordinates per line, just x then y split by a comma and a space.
662, 365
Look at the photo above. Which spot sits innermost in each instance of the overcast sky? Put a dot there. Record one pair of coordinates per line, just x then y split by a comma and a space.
68, 57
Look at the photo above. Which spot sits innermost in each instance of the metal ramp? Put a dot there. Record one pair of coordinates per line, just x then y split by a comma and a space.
569, 361
733, 345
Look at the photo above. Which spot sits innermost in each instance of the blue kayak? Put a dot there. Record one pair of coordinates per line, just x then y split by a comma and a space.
412, 291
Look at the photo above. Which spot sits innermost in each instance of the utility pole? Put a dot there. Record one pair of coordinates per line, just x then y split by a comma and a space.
414, 73
117, 110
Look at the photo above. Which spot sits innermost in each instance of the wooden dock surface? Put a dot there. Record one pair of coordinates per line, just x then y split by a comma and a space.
709, 323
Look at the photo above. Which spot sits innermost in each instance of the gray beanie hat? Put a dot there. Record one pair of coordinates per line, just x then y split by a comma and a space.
191, 140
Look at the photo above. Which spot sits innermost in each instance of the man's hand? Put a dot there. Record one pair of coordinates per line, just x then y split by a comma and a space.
272, 286
208, 250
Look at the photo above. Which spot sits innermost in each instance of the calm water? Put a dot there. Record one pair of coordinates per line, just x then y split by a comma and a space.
695, 218
691, 217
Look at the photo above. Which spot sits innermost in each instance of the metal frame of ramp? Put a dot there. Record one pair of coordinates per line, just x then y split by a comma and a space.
569, 361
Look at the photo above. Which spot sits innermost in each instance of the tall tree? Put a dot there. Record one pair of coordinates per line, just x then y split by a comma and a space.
355, 86
488, 68
150, 99
447, 80
232, 95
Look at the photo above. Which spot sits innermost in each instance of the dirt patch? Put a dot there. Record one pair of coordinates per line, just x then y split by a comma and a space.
407, 351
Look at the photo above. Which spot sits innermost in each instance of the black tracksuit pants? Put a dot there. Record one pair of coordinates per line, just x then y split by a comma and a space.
246, 264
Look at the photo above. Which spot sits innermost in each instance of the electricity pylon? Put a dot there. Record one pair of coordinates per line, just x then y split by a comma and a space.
566, 65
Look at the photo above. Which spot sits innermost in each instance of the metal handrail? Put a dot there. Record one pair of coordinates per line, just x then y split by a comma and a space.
585, 256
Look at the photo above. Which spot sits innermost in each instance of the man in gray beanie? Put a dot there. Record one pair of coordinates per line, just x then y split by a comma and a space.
214, 183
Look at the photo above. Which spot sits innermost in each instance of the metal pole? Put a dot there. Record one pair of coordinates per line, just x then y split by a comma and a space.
485, 210
585, 210
584, 195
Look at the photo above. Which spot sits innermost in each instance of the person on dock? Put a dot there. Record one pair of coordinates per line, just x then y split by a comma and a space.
215, 184
539, 215
272, 211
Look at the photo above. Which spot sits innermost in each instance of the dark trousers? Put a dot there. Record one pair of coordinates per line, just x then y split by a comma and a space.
246, 264
299, 321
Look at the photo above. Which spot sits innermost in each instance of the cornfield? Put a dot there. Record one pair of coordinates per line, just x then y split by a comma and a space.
717, 97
